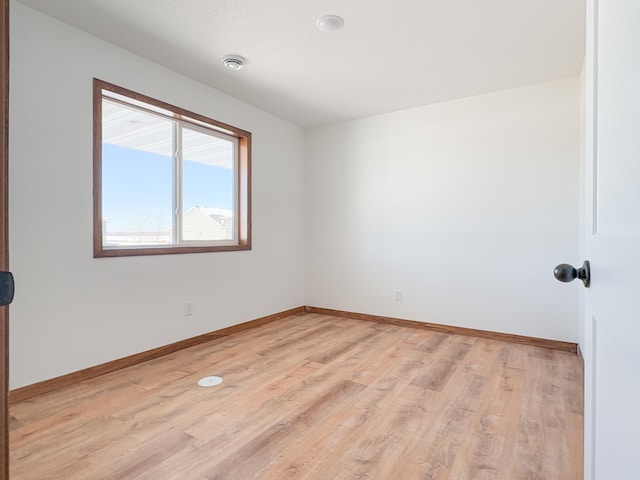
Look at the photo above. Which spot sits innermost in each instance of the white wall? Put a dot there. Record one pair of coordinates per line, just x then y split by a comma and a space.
466, 206
72, 311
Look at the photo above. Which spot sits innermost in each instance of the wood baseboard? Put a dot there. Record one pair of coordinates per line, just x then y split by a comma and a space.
471, 332
46, 386
581, 356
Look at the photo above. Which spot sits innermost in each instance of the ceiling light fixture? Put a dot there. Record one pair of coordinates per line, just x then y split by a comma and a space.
330, 23
233, 62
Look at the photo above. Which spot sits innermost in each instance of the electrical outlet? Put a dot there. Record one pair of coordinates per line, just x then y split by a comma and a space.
188, 308
398, 297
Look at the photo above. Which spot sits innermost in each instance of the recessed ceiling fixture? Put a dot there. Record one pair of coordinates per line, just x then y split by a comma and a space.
233, 62
330, 23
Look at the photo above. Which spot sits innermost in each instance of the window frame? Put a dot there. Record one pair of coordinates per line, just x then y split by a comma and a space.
242, 173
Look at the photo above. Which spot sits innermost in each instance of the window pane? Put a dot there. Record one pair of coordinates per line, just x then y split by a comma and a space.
167, 181
207, 187
137, 170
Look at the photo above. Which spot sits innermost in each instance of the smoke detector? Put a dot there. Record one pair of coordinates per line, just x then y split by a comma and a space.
330, 23
233, 62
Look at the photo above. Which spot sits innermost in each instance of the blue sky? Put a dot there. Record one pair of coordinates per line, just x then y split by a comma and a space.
136, 183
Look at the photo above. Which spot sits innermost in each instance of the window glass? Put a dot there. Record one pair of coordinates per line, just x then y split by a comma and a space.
166, 180
207, 187
137, 177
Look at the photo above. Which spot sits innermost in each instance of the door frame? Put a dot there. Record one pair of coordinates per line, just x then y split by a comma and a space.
4, 238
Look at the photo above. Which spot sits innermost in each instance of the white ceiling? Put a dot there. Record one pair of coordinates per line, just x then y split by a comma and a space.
391, 54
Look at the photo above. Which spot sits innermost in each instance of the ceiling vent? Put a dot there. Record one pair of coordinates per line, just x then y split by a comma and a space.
233, 62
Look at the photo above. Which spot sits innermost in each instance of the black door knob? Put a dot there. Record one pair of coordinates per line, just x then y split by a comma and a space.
7, 288
567, 273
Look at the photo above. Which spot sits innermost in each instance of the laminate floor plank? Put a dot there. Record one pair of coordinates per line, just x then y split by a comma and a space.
315, 397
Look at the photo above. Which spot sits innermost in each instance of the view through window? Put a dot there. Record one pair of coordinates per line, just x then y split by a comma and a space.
170, 181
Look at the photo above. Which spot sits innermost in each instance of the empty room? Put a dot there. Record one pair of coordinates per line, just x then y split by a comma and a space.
320, 240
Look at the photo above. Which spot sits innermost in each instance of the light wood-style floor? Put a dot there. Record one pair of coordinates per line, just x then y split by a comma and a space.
315, 397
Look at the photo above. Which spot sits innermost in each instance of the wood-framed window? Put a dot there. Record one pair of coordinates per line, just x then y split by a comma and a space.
166, 180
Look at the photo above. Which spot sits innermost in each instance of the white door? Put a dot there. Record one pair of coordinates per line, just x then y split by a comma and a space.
612, 240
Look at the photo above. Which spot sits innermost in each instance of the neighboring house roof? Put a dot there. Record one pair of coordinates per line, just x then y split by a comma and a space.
218, 212
221, 216
204, 223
